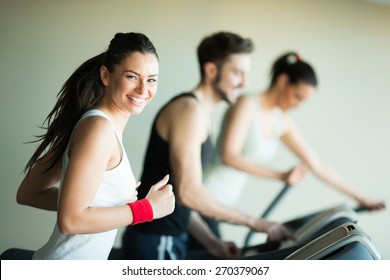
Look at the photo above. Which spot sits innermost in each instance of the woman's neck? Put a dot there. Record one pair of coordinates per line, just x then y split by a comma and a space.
270, 99
118, 118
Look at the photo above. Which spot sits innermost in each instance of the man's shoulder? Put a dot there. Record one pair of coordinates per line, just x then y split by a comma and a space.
186, 113
184, 103
185, 97
181, 112
245, 103
246, 98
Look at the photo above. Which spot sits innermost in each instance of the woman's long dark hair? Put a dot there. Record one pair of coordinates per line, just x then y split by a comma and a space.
80, 92
295, 68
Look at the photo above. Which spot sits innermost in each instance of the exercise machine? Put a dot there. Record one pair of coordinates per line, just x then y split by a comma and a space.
346, 242
305, 229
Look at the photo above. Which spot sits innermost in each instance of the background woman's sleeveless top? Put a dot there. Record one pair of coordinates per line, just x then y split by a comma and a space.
227, 183
116, 188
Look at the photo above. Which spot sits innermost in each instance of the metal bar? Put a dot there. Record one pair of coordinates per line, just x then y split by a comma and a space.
267, 211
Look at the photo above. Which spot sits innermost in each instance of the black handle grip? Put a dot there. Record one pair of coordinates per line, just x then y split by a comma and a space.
362, 209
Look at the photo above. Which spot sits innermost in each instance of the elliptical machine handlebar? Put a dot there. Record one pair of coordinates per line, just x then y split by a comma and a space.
267, 211
277, 199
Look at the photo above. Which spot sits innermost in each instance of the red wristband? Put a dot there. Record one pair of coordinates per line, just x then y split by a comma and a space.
142, 211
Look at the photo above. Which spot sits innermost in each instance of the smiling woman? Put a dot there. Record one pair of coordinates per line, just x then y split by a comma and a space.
134, 81
85, 174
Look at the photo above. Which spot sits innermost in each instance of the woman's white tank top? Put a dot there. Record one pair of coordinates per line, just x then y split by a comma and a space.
227, 183
116, 188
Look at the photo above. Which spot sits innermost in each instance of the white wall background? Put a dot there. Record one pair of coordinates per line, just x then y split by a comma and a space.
347, 122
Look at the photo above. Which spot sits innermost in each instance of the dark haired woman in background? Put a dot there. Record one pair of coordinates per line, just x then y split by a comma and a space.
253, 129
81, 169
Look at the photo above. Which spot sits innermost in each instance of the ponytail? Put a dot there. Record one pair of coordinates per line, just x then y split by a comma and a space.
80, 92
297, 70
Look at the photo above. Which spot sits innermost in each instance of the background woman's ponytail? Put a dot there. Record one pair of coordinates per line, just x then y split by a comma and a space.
297, 70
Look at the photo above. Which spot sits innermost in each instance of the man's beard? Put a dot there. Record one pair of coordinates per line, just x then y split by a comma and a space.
222, 94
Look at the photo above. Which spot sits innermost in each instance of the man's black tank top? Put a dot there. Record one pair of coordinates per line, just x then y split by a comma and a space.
156, 166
